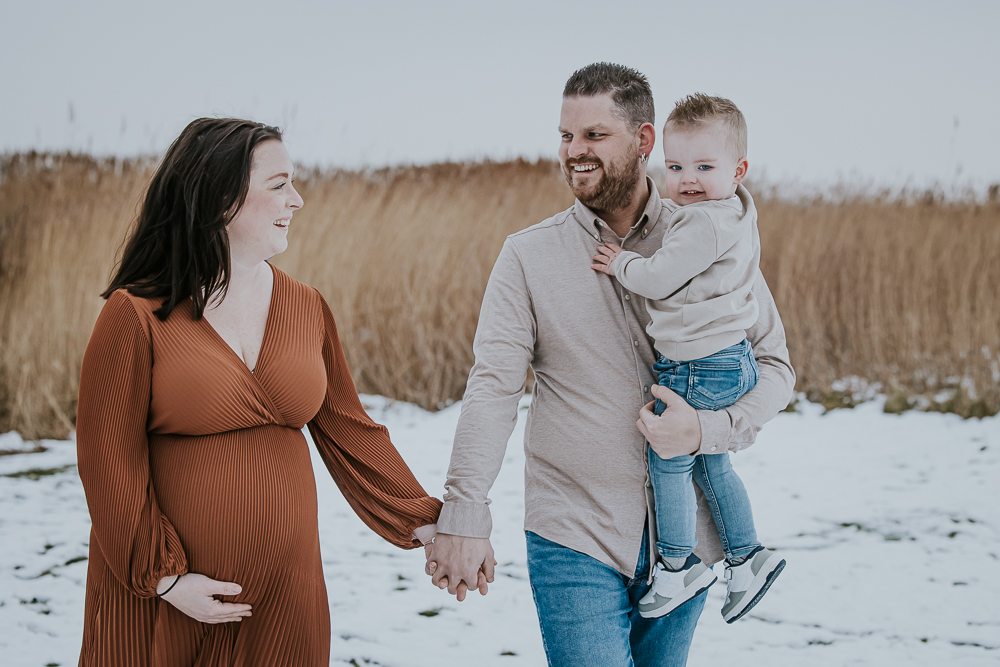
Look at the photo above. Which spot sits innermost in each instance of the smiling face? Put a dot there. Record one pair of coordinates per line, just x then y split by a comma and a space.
260, 229
701, 163
599, 153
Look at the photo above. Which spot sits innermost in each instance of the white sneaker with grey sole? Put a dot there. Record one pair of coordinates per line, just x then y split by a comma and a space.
747, 582
672, 589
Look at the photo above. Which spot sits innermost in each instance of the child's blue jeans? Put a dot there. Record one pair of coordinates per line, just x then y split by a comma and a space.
711, 383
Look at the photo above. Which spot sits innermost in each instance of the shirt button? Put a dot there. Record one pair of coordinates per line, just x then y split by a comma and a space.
645, 390
597, 237
645, 231
627, 297
713, 449
636, 343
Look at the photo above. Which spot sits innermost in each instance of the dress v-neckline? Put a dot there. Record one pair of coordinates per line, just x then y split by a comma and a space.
267, 329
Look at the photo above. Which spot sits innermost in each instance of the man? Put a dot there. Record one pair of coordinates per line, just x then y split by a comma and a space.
588, 506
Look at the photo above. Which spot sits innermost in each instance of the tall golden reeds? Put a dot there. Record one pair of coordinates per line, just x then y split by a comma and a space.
61, 219
403, 256
897, 292
903, 293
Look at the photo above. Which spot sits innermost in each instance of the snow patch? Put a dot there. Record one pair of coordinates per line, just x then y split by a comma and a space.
888, 522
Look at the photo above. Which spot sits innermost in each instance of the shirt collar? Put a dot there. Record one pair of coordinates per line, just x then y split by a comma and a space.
594, 226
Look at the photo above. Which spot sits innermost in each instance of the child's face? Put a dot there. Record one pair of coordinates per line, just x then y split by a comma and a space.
700, 164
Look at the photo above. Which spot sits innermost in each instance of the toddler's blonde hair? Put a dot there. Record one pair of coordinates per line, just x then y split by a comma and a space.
699, 109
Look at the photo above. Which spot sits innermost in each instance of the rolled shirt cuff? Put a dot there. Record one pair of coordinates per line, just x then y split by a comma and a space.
425, 534
715, 431
465, 519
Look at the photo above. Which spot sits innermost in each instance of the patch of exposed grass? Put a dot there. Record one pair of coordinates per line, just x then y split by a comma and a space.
961, 404
37, 473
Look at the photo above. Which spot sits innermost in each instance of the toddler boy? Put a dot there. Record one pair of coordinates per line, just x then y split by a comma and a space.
697, 288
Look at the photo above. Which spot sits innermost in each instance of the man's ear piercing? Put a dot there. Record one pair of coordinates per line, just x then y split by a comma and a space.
643, 158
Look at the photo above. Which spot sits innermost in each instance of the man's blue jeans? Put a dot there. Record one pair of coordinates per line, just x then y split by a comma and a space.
711, 383
588, 612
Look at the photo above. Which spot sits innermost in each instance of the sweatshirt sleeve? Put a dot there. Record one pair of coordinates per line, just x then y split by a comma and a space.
504, 347
736, 427
689, 247
136, 540
371, 474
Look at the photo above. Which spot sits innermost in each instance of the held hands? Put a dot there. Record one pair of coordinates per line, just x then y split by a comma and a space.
605, 255
677, 431
455, 562
193, 595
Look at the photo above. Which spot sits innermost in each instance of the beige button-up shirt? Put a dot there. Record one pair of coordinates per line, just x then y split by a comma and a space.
583, 335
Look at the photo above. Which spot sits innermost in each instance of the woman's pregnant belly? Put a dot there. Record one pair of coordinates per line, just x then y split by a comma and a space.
242, 502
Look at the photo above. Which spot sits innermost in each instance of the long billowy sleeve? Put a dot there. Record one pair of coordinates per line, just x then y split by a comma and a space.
362, 460
138, 543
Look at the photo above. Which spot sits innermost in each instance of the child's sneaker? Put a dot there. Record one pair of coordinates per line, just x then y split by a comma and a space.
672, 589
748, 581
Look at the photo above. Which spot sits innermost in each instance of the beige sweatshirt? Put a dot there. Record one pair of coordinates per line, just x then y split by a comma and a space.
698, 284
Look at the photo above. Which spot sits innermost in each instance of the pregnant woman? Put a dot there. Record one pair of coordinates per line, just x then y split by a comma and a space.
204, 365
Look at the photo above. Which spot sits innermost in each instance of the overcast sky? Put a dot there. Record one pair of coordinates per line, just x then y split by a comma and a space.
883, 92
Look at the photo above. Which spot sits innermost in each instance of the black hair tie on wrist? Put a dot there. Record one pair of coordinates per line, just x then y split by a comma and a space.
160, 595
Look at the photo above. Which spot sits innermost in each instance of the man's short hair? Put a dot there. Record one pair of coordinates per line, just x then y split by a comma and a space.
629, 91
700, 109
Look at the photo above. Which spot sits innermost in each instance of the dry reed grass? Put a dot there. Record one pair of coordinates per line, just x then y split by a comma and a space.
61, 220
906, 294
896, 292
403, 256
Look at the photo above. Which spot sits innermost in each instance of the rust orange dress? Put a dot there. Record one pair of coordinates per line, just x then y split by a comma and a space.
190, 462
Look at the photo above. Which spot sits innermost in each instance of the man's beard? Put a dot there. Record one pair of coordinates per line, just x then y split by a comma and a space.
614, 191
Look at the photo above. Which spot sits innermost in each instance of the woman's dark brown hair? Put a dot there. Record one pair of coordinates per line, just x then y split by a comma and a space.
179, 247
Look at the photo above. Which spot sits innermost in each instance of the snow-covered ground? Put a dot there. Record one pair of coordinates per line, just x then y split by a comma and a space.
890, 525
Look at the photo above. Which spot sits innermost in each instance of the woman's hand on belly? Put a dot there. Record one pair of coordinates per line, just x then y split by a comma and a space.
193, 595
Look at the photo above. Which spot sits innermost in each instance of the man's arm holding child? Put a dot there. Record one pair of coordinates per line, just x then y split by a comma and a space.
734, 428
